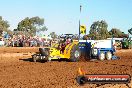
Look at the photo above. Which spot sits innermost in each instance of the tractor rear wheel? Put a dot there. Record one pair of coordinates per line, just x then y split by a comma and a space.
75, 53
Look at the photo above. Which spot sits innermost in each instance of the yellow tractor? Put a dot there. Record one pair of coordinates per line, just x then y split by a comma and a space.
69, 51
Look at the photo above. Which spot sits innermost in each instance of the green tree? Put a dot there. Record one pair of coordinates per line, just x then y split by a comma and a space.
4, 25
31, 25
98, 30
85, 37
53, 35
117, 33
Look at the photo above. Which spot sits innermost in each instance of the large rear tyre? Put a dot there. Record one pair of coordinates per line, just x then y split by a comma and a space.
101, 56
75, 53
109, 56
44, 51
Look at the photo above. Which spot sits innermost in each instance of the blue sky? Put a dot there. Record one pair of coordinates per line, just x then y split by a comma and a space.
62, 16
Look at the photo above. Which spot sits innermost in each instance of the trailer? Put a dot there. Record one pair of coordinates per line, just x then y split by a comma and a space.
98, 49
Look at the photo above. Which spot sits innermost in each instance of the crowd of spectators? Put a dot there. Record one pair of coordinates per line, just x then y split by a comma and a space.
26, 41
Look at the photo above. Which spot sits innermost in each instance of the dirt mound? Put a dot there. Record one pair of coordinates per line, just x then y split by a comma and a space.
20, 71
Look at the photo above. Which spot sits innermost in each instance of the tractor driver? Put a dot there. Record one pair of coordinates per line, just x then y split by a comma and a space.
63, 45
68, 41
65, 42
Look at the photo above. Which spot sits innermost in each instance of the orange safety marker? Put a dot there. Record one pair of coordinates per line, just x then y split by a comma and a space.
81, 72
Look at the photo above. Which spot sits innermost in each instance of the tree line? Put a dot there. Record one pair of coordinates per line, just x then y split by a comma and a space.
29, 27
99, 30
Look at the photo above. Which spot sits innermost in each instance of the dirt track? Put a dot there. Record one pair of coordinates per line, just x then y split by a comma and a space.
18, 71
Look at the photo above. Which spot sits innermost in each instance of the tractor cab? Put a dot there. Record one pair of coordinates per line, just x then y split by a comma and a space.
65, 39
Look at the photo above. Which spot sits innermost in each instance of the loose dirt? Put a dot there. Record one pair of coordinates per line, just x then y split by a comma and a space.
17, 70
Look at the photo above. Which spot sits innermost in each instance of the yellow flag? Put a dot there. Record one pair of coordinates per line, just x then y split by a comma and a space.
82, 29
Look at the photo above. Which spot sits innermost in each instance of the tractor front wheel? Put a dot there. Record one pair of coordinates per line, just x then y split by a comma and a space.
35, 58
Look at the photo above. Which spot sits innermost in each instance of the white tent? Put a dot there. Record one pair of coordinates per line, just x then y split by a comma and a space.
46, 37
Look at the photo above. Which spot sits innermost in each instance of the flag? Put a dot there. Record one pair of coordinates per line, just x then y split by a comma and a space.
82, 29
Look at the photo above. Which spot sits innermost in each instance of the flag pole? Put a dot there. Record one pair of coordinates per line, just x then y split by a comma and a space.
79, 21
79, 30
